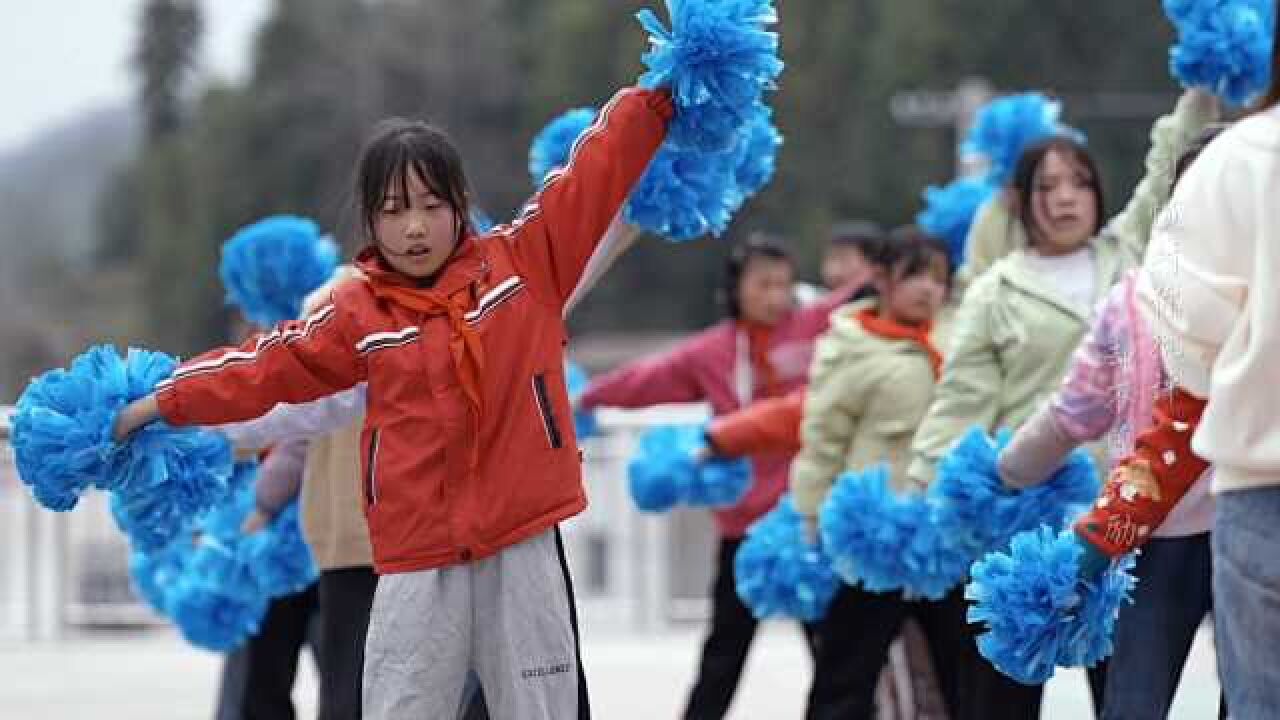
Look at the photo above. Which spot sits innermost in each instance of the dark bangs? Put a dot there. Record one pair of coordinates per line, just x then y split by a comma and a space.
1024, 178
910, 251
398, 147
758, 246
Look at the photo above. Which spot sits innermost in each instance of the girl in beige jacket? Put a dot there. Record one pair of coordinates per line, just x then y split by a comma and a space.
871, 381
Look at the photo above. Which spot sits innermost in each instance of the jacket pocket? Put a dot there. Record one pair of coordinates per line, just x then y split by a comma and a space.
371, 469
542, 399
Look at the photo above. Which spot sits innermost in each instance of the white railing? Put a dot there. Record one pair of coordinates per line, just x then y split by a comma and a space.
657, 568
640, 571
34, 545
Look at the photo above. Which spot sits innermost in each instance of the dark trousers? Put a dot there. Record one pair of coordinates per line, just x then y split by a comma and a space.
1154, 635
855, 638
346, 595
257, 678
724, 653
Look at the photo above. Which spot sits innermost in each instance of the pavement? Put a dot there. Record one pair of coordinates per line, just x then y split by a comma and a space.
154, 675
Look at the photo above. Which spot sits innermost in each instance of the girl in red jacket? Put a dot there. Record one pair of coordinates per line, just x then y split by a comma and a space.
468, 456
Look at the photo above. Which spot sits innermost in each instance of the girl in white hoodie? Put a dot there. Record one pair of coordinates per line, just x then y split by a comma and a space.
1211, 289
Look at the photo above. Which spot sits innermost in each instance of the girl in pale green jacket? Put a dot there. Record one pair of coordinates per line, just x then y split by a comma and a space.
871, 381
1022, 317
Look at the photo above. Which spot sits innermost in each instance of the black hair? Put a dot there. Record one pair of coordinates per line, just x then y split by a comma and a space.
1024, 179
1196, 147
863, 235
909, 251
758, 245
399, 146
1272, 98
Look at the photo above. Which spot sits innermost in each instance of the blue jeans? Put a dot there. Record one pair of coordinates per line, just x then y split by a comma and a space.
1154, 634
1246, 595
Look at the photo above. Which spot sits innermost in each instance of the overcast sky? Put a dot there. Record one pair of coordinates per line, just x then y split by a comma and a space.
58, 59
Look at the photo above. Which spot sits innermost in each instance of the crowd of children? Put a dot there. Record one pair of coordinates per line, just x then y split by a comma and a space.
419, 408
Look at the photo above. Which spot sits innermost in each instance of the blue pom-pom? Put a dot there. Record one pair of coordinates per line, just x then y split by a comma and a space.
1040, 614
553, 145
585, 424
1094, 628
62, 430
1007, 126
886, 541
1056, 502
718, 482
217, 603
225, 519
665, 471
864, 525
170, 476
268, 268
1224, 46
481, 223
966, 489
243, 475
576, 380
214, 581
685, 194
155, 574
1185, 11
932, 564
756, 153
718, 59
661, 455
974, 507
278, 556
777, 573
949, 211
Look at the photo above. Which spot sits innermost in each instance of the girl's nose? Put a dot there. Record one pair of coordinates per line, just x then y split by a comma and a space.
415, 228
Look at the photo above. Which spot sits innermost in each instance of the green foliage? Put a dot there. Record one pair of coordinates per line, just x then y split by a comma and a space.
164, 59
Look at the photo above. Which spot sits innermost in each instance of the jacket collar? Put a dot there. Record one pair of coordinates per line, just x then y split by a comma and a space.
1014, 270
465, 267
873, 323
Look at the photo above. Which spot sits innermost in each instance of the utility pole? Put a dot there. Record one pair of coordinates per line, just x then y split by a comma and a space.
947, 108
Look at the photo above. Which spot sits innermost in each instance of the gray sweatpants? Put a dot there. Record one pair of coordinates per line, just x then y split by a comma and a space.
509, 618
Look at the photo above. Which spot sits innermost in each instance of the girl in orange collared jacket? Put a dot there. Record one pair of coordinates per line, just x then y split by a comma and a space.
468, 457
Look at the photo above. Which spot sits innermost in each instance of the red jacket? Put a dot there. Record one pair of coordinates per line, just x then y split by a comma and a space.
773, 425
704, 368
449, 477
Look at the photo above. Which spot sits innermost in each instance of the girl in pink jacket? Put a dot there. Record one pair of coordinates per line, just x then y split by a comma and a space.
761, 350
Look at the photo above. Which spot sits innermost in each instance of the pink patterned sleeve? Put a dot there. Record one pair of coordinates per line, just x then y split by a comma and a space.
1088, 403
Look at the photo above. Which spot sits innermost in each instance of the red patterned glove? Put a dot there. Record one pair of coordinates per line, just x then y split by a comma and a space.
1145, 486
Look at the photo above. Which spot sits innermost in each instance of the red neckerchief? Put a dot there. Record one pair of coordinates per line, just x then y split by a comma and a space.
873, 323
759, 338
450, 297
